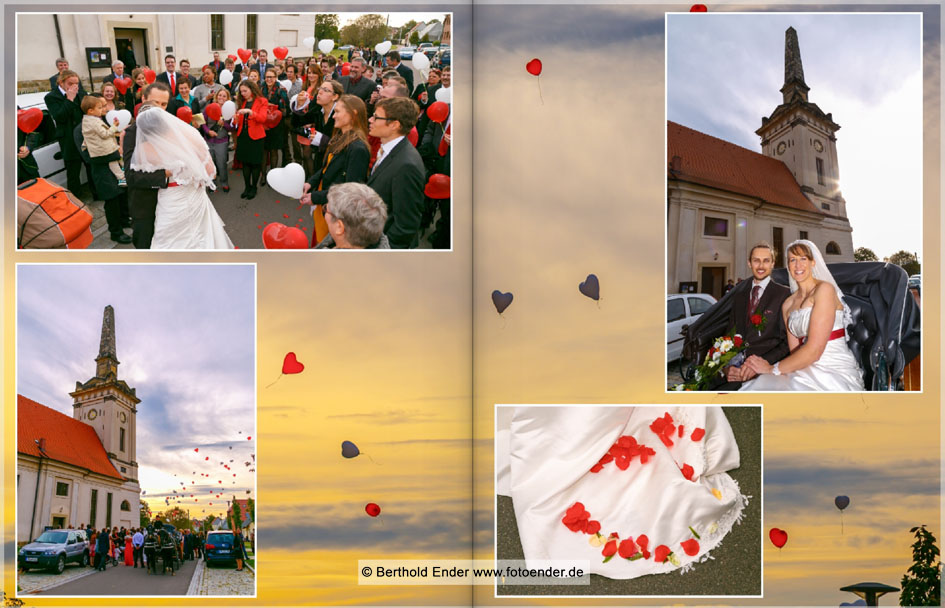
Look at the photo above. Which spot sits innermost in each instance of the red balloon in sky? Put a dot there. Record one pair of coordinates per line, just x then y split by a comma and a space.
196, 449
778, 537
290, 365
372, 509
534, 67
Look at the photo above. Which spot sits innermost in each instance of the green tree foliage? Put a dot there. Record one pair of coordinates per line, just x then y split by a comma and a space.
366, 30
907, 261
236, 520
326, 26
179, 518
251, 508
864, 254
208, 522
922, 583
145, 515
426, 38
414, 38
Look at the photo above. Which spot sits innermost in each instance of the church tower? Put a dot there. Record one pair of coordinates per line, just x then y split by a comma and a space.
109, 405
803, 137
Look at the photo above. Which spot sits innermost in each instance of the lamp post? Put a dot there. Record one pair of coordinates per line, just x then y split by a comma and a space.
871, 592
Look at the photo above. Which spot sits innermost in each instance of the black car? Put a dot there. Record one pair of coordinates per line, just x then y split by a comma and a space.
219, 547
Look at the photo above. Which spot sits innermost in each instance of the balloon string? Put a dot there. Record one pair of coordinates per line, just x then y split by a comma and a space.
539, 91
372, 460
274, 381
503, 321
841, 523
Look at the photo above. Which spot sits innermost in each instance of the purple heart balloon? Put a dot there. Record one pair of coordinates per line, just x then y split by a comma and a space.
590, 287
501, 300
842, 502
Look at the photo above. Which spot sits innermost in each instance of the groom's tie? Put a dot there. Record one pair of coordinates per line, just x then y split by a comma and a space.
753, 303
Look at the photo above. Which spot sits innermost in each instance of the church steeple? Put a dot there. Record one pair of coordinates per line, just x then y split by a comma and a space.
107, 360
794, 86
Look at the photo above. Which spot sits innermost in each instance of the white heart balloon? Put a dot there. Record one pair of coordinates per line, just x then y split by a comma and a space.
420, 61
326, 45
309, 42
286, 84
226, 77
287, 181
123, 116
382, 47
228, 110
444, 95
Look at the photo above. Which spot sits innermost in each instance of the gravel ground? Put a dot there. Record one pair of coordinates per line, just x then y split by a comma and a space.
736, 569
225, 580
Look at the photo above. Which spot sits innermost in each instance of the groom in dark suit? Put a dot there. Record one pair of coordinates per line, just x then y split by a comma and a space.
398, 173
756, 315
143, 186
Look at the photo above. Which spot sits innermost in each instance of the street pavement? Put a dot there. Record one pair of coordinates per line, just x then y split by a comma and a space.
124, 580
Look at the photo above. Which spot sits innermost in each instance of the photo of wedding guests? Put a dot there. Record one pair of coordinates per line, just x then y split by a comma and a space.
222, 131
776, 279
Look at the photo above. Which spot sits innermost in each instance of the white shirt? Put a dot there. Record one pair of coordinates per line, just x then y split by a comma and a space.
138, 539
386, 148
762, 284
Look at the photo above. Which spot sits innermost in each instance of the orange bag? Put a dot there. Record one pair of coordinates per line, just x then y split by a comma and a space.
50, 217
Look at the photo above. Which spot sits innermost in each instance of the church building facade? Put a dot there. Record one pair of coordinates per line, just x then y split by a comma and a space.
722, 198
80, 469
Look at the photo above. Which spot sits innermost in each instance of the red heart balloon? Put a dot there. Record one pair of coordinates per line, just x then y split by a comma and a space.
122, 84
372, 509
214, 111
29, 120
244, 54
698, 8
149, 75
291, 365
185, 113
345, 69
778, 537
280, 52
280, 236
273, 118
438, 111
413, 136
534, 67
233, 57
438, 187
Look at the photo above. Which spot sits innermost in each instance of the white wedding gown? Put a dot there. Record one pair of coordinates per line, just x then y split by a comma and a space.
186, 219
836, 370
544, 457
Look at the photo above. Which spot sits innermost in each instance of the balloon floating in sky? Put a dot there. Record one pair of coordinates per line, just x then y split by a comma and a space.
842, 503
349, 450
290, 365
372, 509
590, 287
778, 537
534, 68
501, 300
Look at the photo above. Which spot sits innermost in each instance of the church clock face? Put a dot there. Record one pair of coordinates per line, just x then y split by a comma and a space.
818, 146
123, 416
781, 148
92, 414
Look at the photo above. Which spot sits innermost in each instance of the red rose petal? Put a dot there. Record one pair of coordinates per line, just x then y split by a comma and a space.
691, 546
597, 468
643, 541
606, 458
680, 429
628, 548
609, 549
666, 441
698, 434
688, 471
623, 463
593, 527
285, 215
661, 552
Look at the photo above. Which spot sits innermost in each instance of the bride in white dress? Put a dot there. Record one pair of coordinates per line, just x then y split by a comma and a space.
816, 317
185, 217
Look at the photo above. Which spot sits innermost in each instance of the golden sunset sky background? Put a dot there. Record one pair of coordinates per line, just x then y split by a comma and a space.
405, 355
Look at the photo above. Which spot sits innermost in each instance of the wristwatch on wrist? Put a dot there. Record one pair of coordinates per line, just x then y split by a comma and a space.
776, 370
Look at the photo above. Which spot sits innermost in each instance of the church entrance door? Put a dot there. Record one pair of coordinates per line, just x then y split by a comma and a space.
713, 281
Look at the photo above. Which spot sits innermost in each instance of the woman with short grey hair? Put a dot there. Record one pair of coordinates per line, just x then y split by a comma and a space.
356, 215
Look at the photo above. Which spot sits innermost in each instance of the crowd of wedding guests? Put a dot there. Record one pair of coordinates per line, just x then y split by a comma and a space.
361, 121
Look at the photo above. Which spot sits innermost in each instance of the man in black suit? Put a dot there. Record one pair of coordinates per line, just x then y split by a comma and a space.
263, 64
62, 65
143, 186
756, 315
355, 84
171, 77
64, 105
393, 60
398, 173
217, 64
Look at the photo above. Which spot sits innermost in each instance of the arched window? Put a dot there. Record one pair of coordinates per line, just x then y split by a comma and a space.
833, 248
125, 505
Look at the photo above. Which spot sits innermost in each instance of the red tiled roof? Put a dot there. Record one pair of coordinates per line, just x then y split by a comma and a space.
67, 440
716, 163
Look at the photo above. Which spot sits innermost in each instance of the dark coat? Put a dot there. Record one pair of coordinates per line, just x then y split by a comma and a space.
67, 115
771, 344
162, 77
362, 88
350, 165
143, 189
407, 73
399, 180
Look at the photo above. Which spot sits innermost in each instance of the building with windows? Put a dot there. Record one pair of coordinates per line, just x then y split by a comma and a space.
144, 39
723, 198
81, 469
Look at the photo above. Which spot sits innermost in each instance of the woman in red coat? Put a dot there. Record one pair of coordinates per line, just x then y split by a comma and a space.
250, 121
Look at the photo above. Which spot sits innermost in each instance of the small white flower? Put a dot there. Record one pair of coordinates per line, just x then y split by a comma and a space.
716, 355
726, 346
713, 362
698, 375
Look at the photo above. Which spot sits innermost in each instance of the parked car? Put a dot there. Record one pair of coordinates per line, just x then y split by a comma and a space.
427, 49
406, 52
47, 154
442, 58
54, 549
681, 310
219, 547
915, 282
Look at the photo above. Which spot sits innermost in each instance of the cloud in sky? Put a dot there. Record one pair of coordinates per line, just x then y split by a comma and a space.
185, 339
724, 72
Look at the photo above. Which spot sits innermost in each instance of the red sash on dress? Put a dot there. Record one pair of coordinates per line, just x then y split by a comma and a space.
837, 333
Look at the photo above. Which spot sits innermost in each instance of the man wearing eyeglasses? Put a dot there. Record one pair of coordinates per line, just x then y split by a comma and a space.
398, 172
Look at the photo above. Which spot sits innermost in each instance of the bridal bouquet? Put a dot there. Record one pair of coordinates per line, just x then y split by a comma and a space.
724, 350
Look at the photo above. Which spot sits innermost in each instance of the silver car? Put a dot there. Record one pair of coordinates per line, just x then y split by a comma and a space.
681, 310
54, 549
